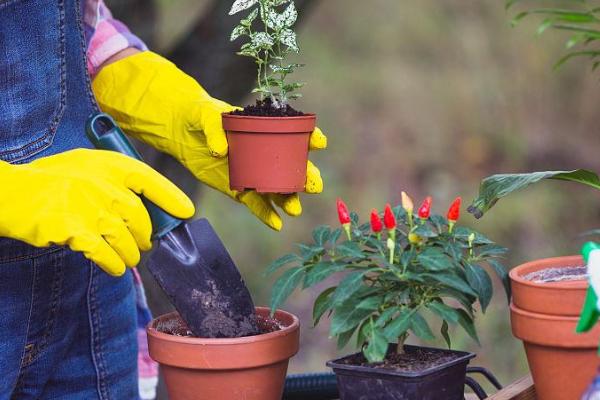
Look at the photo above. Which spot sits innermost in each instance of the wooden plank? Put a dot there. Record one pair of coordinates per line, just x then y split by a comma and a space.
521, 389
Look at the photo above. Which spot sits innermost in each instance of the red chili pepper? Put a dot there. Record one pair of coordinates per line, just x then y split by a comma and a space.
343, 213
425, 209
454, 210
388, 218
376, 224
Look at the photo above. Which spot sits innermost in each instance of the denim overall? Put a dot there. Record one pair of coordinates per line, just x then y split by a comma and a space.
67, 329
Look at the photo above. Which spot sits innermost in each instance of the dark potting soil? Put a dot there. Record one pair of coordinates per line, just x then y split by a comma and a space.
412, 360
178, 327
560, 274
265, 109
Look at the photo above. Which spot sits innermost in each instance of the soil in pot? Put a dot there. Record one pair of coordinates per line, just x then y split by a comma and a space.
558, 274
421, 373
177, 326
265, 108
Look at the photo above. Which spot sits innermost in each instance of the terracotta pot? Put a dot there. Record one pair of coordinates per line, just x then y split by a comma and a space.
249, 368
268, 154
544, 316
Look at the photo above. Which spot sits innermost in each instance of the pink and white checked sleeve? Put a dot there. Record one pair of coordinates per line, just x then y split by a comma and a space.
105, 36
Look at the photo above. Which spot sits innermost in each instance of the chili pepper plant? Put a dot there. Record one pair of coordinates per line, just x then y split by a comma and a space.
391, 272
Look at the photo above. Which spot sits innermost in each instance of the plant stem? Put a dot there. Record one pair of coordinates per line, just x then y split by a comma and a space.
401, 339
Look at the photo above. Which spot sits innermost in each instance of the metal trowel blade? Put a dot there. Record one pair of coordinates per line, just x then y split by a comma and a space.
194, 269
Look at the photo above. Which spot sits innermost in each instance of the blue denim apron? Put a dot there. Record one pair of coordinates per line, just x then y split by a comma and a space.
67, 329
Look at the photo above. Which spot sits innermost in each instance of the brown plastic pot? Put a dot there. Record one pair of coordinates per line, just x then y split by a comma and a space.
268, 154
249, 368
544, 316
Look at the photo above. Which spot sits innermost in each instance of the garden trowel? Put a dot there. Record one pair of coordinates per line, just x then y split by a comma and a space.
189, 261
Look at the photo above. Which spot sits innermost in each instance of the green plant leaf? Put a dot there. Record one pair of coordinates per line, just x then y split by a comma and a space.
348, 286
420, 327
467, 324
310, 252
321, 234
434, 259
386, 315
425, 231
288, 38
285, 285
241, 5
347, 316
280, 262
247, 22
398, 325
349, 249
502, 274
377, 348
495, 187
322, 304
344, 337
319, 272
490, 250
262, 40
480, 281
445, 334
335, 235
452, 281
237, 32
444, 311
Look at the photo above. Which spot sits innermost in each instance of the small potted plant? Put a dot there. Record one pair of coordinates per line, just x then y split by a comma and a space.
548, 295
268, 141
394, 271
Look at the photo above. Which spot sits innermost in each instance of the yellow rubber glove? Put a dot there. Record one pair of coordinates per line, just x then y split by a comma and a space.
86, 199
154, 101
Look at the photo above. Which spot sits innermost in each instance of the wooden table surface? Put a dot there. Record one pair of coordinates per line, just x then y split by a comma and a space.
521, 389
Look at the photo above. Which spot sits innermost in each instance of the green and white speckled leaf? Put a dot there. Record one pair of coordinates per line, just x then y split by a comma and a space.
237, 32
288, 38
262, 40
241, 5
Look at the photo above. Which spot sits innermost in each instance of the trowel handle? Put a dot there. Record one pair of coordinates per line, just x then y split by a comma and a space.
104, 133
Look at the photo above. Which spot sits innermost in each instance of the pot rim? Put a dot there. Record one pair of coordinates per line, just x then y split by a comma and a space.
541, 316
286, 330
260, 118
464, 356
516, 277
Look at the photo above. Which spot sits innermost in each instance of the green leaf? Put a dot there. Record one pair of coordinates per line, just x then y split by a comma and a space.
237, 32
399, 325
480, 281
319, 272
452, 281
463, 233
310, 252
247, 22
288, 38
386, 315
420, 327
377, 348
344, 337
347, 316
434, 259
454, 249
280, 262
502, 274
241, 5
348, 286
322, 304
445, 335
444, 311
335, 235
262, 40
495, 187
285, 285
349, 249
467, 323
425, 231
490, 250
321, 234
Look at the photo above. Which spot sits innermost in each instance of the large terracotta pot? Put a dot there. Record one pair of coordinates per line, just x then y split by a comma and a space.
268, 154
249, 368
544, 316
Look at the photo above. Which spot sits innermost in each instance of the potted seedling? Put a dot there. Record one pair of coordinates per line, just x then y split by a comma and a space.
392, 274
268, 141
548, 295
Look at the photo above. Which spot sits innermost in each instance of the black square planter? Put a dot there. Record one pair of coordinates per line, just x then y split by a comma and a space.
443, 382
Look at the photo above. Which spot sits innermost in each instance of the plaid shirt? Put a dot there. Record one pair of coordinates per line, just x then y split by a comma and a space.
106, 36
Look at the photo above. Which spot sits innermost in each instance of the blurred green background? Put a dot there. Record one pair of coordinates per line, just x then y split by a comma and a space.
428, 97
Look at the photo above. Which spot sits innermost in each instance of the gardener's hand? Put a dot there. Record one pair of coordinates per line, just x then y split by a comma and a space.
154, 101
86, 199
